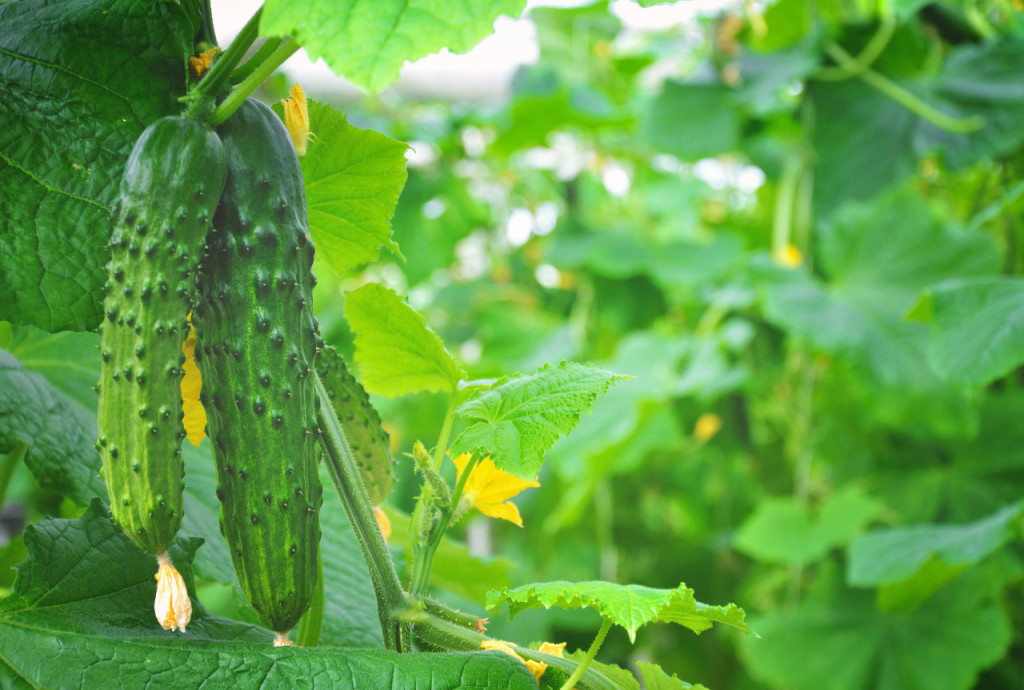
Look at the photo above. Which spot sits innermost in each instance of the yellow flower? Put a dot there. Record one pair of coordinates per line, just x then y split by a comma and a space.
488, 489
199, 64
708, 424
787, 257
172, 606
191, 384
553, 649
537, 668
296, 118
382, 522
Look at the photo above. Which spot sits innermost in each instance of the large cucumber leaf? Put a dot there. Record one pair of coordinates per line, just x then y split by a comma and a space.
59, 435
630, 606
79, 81
368, 41
81, 615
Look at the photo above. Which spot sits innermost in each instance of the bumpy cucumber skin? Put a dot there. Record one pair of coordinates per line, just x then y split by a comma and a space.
166, 203
256, 345
370, 444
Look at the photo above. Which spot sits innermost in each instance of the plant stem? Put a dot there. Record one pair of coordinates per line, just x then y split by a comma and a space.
391, 599
423, 561
591, 653
264, 52
313, 620
419, 570
448, 636
8, 464
904, 97
237, 97
213, 80
867, 57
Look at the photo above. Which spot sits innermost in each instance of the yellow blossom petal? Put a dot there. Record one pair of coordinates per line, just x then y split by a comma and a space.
553, 649
488, 489
708, 424
281, 640
537, 668
382, 522
199, 64
787, 257
191, 385
172, 606
296, 118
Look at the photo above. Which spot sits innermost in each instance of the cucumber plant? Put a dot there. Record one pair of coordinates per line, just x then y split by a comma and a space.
256, 345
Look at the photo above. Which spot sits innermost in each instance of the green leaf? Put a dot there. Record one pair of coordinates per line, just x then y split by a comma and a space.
396, 351
81, 615
875, 259
75, 99
784, 530
353, 178
916, 561
842, 642
692, 121
865, 141
367, 43
60, 438
977, 329
521, 416
630, 606
656, 679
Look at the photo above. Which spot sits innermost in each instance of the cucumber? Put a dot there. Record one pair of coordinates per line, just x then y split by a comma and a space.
370, 444
167, 198
257, 341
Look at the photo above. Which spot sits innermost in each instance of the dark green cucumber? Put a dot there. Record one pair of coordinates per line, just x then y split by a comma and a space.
370, 444
168, 195
256, 346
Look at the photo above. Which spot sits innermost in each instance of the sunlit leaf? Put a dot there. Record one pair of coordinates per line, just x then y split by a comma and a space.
396, 351
519, 418
353, 178
367, 42
630, 606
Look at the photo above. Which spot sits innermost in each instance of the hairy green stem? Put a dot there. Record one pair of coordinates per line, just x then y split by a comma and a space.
264, 52
212, 82
908, 100
259, 75
420, 570
424, 560
446, 613
344, 473
591, 653
8, 464
441, 634
313, 620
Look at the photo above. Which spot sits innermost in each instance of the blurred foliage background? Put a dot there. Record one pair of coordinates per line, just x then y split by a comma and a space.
798, 227
741, 212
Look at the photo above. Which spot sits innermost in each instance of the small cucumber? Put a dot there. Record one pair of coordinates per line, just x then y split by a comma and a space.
168, 195
256, 345
370, 444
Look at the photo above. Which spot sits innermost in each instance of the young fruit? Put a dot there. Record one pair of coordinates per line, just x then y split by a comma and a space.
256, 345
167, 198
370, 444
